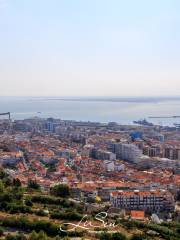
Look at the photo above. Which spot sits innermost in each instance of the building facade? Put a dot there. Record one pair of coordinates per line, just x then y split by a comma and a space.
153, 201
128, 152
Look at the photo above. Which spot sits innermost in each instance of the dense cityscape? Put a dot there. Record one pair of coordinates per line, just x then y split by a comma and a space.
89, 120
131, 171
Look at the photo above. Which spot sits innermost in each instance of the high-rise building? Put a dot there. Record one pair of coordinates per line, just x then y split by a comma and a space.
172, 153
152, 151
128, 152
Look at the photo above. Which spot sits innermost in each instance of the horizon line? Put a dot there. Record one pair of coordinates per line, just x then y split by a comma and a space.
94, 96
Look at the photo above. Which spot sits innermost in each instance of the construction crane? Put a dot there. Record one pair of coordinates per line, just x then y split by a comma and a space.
7, 113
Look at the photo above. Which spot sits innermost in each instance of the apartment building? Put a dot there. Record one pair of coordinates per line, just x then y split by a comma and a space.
153, 201
128, 152
152, 151
172, 152
102, 155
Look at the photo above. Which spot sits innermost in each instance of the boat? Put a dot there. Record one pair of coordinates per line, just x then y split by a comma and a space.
143, 122
177, 125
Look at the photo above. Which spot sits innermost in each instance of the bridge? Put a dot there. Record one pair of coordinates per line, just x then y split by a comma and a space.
7, 113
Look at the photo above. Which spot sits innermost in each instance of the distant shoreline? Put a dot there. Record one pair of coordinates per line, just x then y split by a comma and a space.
128, 99
113, 99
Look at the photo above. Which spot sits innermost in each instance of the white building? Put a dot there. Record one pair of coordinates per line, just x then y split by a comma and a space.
124, 151
143, 200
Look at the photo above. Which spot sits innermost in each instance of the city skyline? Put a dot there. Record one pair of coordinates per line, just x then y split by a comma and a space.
89, 48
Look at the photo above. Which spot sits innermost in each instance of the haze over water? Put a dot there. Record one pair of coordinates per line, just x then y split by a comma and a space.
101, 110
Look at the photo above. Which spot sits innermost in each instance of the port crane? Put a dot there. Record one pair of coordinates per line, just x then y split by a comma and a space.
7, 113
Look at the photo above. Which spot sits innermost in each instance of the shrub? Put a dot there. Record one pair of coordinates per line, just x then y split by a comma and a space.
118, 236
60, 190
1, 231
41, 213
28, 202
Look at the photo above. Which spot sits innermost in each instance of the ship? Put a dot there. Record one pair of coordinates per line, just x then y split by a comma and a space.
143, 122
177, 125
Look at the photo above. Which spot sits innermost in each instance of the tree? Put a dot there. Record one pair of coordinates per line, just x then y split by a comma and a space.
60, 190
21, 236
16, 182
118, 236
3, 174
28, 202
33, 184
137, 237
41, 212
7, 181
33, 236
10, 237
105, 236
178, 196
1, 187
42, 235
1, 232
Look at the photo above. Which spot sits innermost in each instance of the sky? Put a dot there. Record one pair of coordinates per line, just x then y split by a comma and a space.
89, 48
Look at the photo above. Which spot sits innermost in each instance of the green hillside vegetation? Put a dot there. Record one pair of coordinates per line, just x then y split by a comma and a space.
31, 214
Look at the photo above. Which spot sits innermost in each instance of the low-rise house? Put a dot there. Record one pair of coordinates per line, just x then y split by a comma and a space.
137, 215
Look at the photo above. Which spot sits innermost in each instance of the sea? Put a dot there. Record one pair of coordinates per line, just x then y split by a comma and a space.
97, 109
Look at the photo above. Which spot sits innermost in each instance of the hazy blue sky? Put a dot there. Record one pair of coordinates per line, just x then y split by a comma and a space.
90, 47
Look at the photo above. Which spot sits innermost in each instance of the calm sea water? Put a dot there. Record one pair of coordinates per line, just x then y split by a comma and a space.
102, 111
